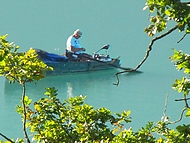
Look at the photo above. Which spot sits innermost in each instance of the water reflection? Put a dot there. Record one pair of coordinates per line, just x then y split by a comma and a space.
68, 84
134, 93
69, 89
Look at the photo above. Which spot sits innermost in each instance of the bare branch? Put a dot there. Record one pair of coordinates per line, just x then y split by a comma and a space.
6, 138
186, 103
182, 99
117, 78
147, 53
182, 112
180, 118
151, 44
165, 106
117, 75
182, 38
185, 100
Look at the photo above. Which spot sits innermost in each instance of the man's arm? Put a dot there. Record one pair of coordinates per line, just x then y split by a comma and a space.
77, 49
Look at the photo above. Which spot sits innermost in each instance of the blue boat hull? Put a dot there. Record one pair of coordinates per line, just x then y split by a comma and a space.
62, 64
71, 66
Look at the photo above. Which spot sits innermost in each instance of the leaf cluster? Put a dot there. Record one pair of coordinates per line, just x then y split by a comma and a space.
51, 120
20, 66
167, 10
71, 120
182, 62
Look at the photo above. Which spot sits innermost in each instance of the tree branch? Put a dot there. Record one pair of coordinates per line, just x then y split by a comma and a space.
151, 44
117, 79
182, 38
24, 116
182, 99
165, 106
180, 118
147, 53
117, 75
6, 138
186, 103
185, 100
165, 109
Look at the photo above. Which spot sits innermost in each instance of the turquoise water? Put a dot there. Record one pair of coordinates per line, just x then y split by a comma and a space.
47, 24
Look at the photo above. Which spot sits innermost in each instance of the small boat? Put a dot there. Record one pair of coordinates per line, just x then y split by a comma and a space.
62, 64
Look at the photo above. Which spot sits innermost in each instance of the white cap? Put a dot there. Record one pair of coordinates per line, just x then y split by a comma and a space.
78, 32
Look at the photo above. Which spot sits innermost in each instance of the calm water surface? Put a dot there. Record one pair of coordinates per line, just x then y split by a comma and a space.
47, 24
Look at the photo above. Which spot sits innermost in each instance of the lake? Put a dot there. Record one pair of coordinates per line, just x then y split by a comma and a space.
47, 24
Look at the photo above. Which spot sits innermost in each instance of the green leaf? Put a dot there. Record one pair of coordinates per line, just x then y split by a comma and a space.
188, 112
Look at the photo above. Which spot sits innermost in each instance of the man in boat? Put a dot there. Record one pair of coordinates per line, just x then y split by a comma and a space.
74, 50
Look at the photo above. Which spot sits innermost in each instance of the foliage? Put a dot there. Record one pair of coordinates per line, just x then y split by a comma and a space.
51, 120
167, 10
21, 67
182, 62
161, 13
74, 121
71, 121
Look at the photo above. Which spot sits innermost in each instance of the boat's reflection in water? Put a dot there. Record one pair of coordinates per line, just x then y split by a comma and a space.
68, 85
69, 89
